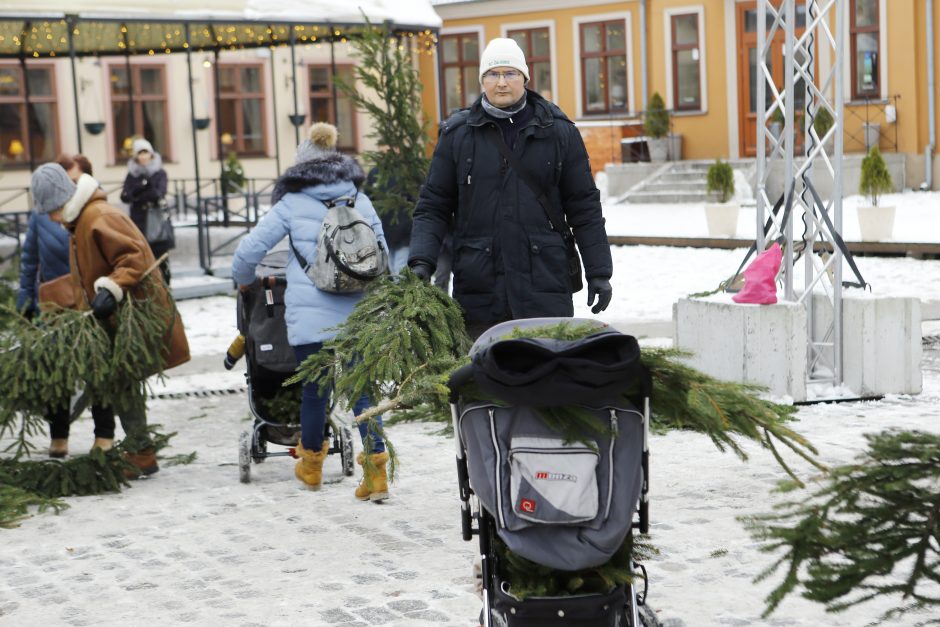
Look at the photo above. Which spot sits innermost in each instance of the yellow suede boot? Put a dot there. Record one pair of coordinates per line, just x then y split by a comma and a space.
309, 468
374, 484
105, 444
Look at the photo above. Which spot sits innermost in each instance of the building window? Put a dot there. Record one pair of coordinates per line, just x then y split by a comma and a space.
535, 43
241, 108
864, 34
460, 70
27, 133
686, 63
604, 66
321, 103
139, 106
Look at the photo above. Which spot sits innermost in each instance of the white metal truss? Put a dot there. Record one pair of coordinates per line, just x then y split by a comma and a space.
819, 45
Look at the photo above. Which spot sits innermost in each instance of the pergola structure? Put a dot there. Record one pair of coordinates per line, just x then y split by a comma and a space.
56, 28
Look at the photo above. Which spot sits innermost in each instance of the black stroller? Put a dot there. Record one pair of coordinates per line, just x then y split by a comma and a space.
528, 489
269, 362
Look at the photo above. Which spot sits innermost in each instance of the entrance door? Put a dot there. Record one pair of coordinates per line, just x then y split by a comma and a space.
749, 81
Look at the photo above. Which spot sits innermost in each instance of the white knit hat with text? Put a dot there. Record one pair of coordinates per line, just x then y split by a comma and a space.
503, 52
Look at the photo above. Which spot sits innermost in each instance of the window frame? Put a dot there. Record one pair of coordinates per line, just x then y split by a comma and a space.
530, 57
605, 21
327, 95
238, 140
20, 101
461, 64
854, 31
673, 50
138, 99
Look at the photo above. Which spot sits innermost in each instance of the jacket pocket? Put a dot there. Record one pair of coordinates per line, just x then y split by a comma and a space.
552, 482
549, 263
474, 265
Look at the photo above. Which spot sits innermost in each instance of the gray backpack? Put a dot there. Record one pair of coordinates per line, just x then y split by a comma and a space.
349, 255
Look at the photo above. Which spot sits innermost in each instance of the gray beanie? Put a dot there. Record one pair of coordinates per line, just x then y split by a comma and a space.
51, 187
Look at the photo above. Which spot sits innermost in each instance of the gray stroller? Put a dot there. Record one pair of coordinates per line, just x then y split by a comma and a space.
526, 488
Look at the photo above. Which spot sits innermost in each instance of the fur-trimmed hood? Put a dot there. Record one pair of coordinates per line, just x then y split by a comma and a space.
334, 168
155, 165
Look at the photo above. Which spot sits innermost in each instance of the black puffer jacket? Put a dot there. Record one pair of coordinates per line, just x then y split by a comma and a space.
508, 262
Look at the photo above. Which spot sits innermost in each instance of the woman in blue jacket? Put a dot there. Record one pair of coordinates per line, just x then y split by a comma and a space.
321, 174
45, 257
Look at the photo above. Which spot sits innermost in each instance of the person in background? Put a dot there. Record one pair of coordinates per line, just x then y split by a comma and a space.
321, 174
144, 187
108, 257
45, 257
508, 261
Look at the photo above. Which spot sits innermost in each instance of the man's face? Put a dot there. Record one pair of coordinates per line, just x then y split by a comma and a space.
503, 86
56, 216
75, 172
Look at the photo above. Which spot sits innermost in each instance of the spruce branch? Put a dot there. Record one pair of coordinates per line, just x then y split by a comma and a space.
872, 529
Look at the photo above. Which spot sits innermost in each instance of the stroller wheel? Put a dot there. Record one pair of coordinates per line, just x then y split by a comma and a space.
259, 447
346, 454
244, 457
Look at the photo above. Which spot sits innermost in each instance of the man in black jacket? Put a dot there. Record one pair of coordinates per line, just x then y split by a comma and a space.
509, 262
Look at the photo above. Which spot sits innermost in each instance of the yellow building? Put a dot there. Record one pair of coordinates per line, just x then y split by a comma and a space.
600, 62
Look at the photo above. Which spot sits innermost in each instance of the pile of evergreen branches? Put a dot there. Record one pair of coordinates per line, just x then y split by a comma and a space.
872, 529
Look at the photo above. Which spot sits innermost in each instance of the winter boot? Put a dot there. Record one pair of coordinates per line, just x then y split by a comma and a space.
105, 444
59, 447
374, 484
144, 462
309, 468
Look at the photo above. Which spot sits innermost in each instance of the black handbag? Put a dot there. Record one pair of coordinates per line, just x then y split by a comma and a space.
557, 220
159, 228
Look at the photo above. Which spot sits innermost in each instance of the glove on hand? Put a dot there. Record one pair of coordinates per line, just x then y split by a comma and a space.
422, 270
103, 304
599, 287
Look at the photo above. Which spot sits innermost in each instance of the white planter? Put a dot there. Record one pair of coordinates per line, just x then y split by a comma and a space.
675, 147
722, 219
658, 149
872, 134
876, 223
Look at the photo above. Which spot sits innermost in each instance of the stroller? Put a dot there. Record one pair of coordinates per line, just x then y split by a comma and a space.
527, 489
269, 362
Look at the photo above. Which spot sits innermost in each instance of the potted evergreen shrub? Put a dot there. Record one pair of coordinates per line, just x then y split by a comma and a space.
722, 217
776, 123
656, 127
233, 174
876, 222
821, 124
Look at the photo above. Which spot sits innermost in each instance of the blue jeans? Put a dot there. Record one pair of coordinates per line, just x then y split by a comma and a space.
398, 258
313, 408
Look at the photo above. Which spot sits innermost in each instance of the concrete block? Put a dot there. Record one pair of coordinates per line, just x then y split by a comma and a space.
762, 344
881, 342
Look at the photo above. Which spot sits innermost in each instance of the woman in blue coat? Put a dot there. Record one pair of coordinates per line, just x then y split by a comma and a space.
320, 175
45, 257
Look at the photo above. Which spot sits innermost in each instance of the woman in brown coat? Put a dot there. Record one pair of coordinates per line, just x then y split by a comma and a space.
108, 257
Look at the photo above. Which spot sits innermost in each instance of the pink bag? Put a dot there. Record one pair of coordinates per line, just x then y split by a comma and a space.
760, 285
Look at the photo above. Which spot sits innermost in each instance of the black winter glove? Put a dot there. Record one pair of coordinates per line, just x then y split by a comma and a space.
422, 270
599, 287
103, 304
30, 312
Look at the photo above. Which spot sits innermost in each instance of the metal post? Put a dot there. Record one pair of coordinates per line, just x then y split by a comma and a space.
277, 139
130, 84
293, 68
333, 80
200, 226
29, 131
70, 22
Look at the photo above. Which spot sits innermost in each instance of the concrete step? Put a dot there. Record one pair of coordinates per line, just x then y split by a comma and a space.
667, 197
666, 186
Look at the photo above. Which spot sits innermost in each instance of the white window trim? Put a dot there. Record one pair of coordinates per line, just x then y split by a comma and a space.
731, 79
882, 52
553, 57
699, 12
627, 17
453, 30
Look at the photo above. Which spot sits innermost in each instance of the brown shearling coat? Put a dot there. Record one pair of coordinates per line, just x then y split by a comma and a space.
105, 242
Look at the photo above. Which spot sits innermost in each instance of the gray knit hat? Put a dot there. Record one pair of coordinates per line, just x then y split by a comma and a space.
51, 187
321, 142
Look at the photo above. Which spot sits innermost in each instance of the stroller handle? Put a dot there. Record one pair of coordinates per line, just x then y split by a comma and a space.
458, 379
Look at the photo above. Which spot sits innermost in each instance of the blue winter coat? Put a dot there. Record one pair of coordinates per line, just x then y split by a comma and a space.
45, 256
310, 312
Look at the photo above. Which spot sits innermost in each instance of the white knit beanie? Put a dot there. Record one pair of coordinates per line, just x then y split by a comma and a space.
140, 145
503, 52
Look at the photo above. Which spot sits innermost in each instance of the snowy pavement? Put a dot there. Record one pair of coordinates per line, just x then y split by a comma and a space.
192, 545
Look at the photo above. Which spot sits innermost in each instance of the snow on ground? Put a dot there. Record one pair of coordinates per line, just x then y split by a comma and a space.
194, 546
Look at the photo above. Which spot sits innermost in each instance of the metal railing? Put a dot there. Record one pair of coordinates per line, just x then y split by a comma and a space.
221, 214
861, 115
